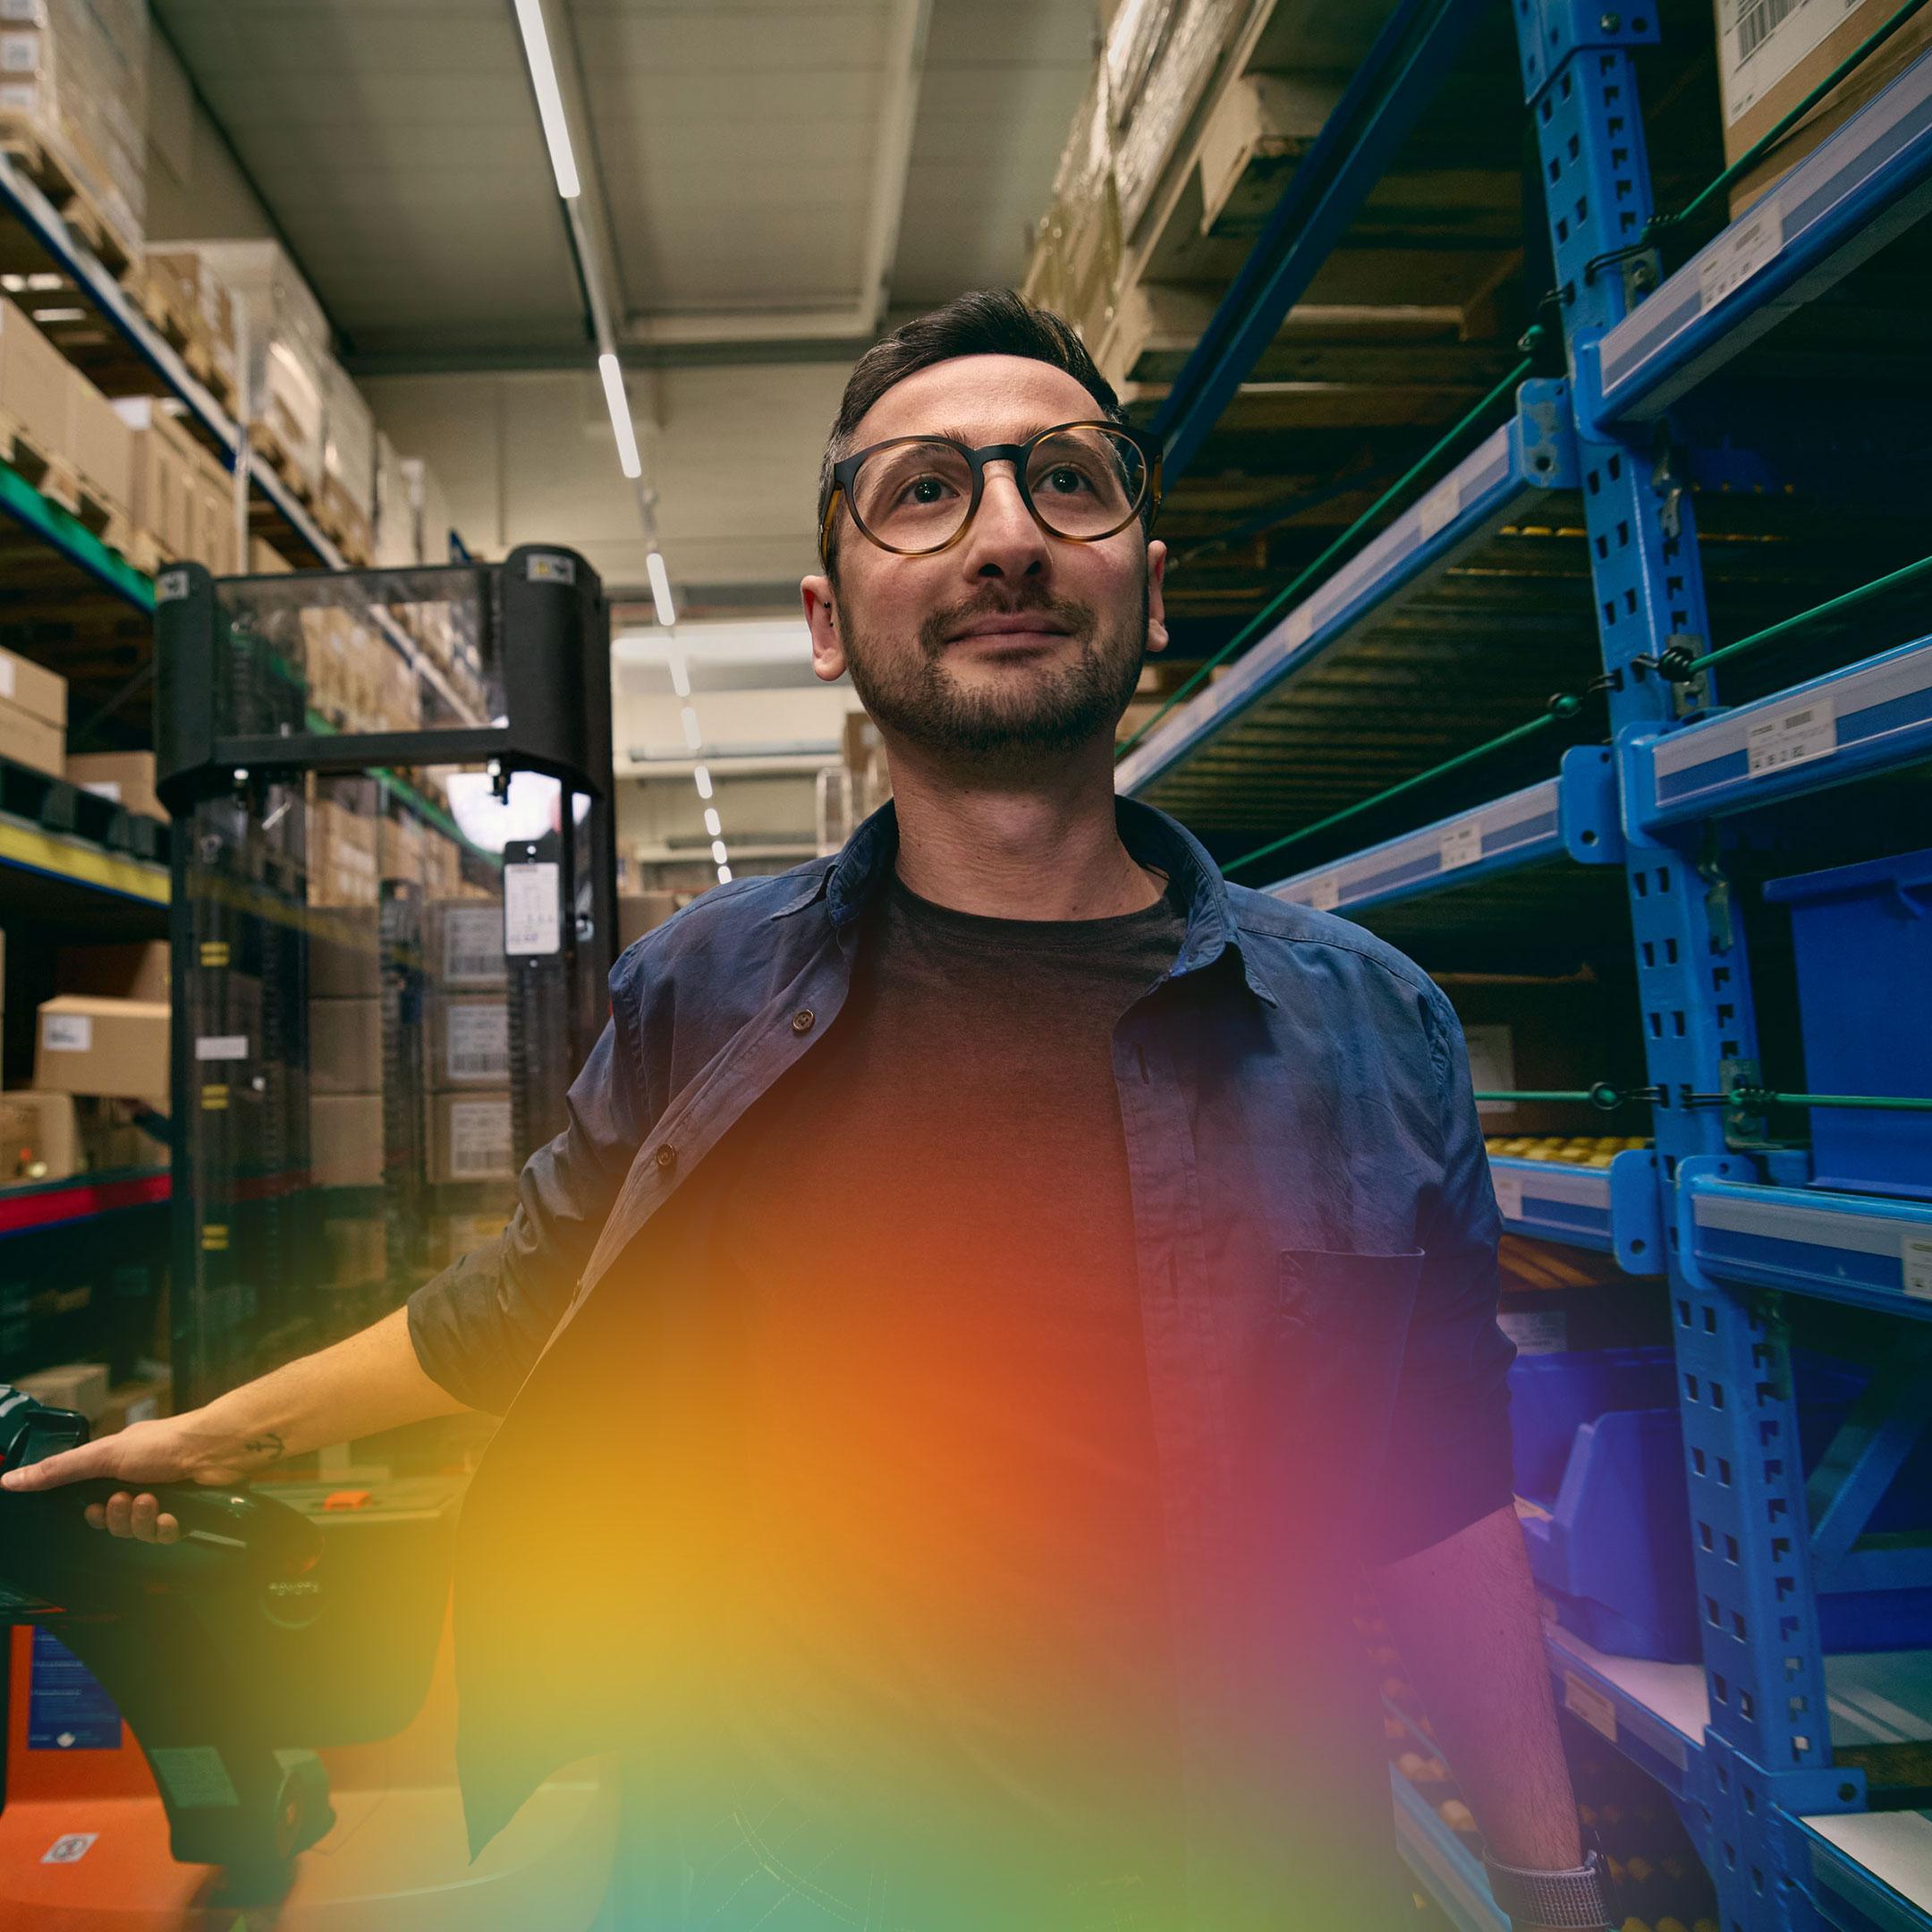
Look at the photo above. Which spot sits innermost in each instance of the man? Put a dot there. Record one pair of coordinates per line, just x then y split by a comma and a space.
1018, 1285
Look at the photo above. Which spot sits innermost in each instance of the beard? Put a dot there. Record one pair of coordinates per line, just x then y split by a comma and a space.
1030, 713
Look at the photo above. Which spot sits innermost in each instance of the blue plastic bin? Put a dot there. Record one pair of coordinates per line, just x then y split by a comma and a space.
1863, 935
1599, 1449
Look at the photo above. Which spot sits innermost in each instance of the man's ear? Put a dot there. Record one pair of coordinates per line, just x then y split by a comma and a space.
1157, 609
821, 616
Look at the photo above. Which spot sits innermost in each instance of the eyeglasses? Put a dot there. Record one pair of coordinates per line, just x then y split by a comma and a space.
916, 495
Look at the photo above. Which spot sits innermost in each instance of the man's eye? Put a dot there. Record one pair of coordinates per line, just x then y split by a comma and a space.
1065, 481
925, 489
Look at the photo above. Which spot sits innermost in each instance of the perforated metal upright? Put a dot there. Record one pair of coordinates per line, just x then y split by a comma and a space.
1768, 1755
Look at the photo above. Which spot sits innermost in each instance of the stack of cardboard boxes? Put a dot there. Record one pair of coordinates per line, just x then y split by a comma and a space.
467, 1053
345, 1045
83, 1387
33, 716
180, 496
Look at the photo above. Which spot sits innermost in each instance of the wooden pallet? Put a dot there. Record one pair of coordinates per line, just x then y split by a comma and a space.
155, 298
262, 436
116, 248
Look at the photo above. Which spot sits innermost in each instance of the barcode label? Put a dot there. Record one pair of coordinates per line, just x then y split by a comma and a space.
66, 1033
1761, 41
1916, 1256
533, 910
478, 1139
1739, 253
1586, 1701
1793, 737
20, 52
478, 1041
1462, 844
1324, 894
1508, 1193
1757, 20
472, 943
1439, 508
222, 1046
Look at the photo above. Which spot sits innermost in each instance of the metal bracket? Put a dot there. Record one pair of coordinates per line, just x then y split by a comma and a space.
1545, 433
1586, 807
1557, 28
1717, 903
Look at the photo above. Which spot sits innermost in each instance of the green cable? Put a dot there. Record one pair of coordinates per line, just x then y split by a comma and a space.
1564, 706
1757, 151
1903, 575
1759, 1097
1375, 509
1602, 1094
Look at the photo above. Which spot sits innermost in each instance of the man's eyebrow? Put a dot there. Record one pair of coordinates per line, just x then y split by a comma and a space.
1023, 436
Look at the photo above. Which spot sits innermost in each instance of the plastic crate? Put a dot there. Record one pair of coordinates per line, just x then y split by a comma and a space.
1598, 1454
1863, 937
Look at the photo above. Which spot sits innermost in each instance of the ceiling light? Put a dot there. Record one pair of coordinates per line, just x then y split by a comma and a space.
680, 675
549, 101
693, 737
704, 782
713, 824
60, 315
660, 585
723, 875
620, 415
717, 850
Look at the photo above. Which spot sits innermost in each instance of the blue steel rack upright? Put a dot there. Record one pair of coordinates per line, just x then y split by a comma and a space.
1744, 1745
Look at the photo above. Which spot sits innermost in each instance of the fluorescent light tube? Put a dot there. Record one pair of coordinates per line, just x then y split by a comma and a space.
620, 415
680, 675
713, 824
549, 100
660, 587
717, 851
703, 781
723, 875
693, 737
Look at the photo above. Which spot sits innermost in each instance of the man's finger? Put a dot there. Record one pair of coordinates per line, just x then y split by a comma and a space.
121, 1513
96, 1516
146, 1509
69, 1466
166, 1529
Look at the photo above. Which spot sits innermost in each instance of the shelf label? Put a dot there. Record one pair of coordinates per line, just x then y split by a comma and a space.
1461, 843
1508, 1193
1916, 1258
1323, 893
1739, 253
1792, 737
1440, 508
533, 910
543, 568
67, 1032
1586, 1701
106, 788
478, 1140
1298, 627
6, 675
222, 1046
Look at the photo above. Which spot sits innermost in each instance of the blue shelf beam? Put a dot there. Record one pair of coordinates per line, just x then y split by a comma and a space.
1445, 1867
1614, 1210
1869, 717
1870, 1873
1851, 1248
1531, 453
1858, 190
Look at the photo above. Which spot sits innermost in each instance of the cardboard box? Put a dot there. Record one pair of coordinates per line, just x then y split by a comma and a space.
98, 444
110, 1137
164, 460
1759, 87
463, 943
345, 1046
345, 1140
137, 971
139, 1399
469, 1041
87, 1045
264, 560
32, 741
358, 1250
638, 913
80, 1385
470, 1137
345, 953
26, 687
38, 1140
33, 382
127, 777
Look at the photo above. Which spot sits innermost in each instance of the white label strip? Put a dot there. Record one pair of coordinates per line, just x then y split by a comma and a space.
1324, 894
67, 1032
1298, 627
1739, 253
222, 1046
1586, 1701
106, 788
1462, 844
6, 675
1916, 1256
1794, 736
1508, 1193
533, 910
1439, 508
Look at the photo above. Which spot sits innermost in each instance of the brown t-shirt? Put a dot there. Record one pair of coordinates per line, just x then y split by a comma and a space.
947, 1613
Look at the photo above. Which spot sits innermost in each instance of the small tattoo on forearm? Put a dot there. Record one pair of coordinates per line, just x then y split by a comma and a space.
269, 1447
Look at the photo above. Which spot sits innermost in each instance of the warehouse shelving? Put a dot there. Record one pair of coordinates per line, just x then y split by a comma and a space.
1662, 366
40, 1208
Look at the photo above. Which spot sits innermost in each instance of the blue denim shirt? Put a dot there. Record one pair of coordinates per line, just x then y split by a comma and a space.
1315, 1230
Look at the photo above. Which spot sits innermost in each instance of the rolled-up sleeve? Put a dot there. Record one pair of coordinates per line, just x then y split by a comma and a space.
479, 1326
1448, 1460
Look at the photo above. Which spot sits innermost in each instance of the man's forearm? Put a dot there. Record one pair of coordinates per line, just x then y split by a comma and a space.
1463, 1615
367, 1383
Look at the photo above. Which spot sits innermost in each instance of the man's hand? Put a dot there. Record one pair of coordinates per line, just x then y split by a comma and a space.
183, 1448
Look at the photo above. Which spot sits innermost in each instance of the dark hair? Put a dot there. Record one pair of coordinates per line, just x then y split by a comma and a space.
980, 322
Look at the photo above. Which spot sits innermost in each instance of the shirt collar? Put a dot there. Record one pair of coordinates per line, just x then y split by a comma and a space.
847, 881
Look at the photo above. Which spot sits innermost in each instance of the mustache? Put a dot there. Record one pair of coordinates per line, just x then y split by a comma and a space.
938, 625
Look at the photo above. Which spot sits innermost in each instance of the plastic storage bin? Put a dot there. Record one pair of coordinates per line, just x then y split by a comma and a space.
1600, 1461
1863, 935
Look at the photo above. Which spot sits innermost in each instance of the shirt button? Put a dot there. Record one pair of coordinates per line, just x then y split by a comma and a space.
801, 1020
667, 1155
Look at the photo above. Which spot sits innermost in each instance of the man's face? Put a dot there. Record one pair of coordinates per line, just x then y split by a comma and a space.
1013, 647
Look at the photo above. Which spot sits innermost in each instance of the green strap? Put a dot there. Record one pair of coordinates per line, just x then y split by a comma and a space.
1846, 602
1261, 617
1759, 1097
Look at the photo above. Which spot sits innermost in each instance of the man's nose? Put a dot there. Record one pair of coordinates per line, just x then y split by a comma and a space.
1005, 540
